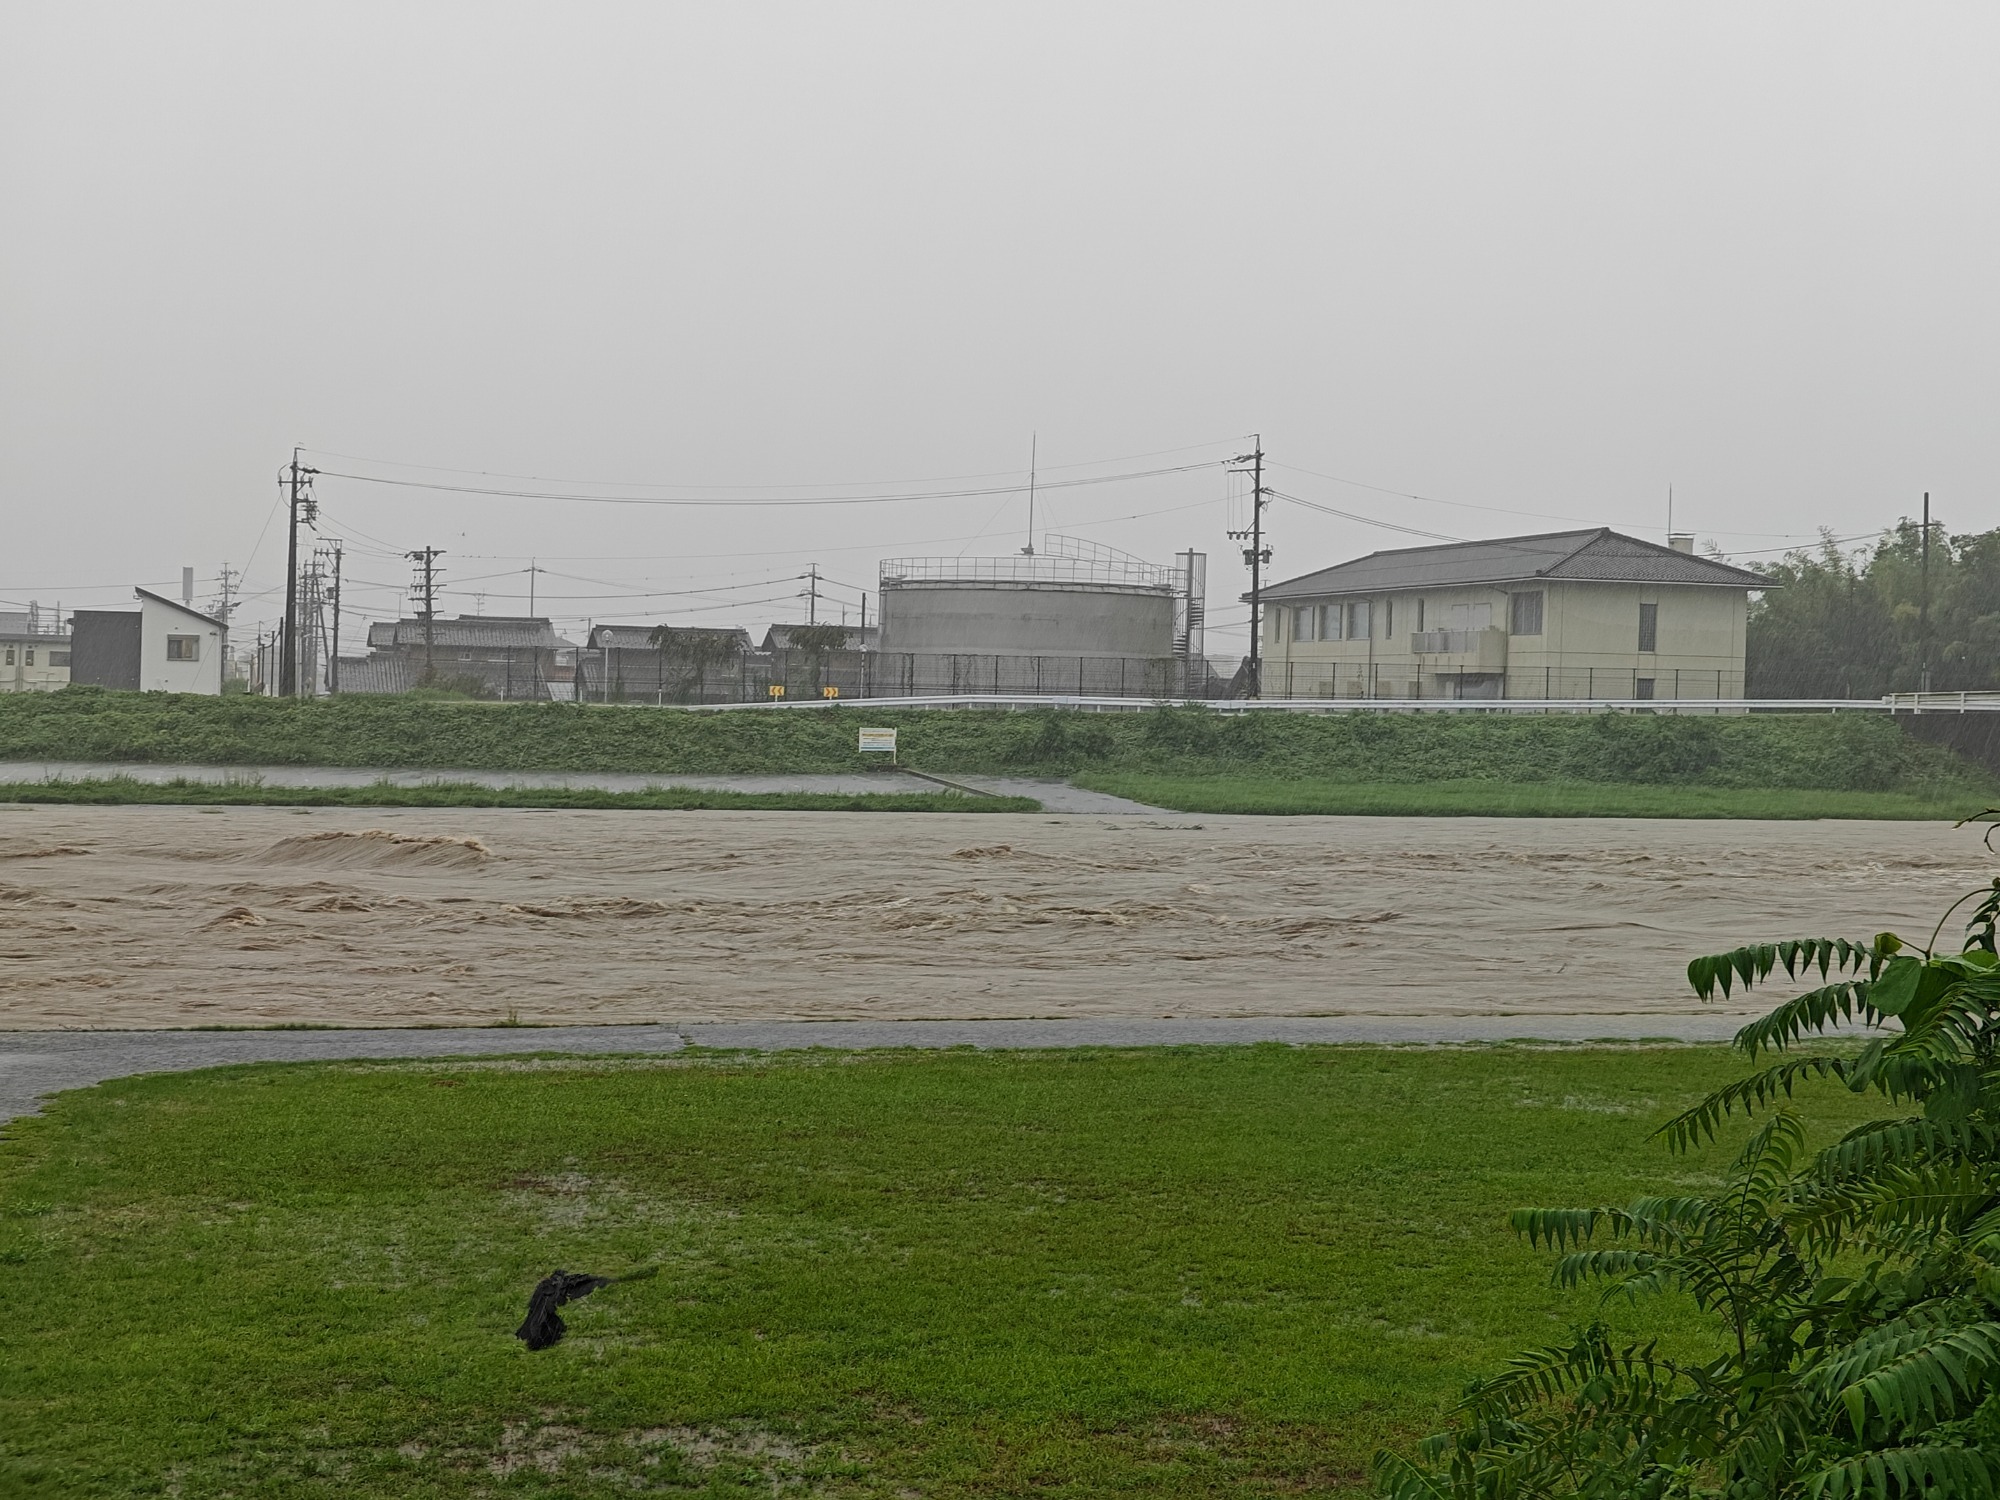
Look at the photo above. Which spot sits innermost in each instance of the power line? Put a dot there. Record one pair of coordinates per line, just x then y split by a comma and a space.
763, 501
1540, 515
1348, 515
625, 484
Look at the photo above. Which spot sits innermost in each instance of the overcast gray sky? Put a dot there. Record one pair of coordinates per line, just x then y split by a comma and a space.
1531, 257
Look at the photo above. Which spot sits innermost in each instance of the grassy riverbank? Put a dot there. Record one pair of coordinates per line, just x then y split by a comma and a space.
129, 791
1802, 752
1531, 799
1198, 1272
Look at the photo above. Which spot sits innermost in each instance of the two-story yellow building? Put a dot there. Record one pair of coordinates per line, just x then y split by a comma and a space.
1570, 614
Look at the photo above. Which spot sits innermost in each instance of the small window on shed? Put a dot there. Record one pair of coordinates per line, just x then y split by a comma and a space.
1649, 627
1525, 613
183, 648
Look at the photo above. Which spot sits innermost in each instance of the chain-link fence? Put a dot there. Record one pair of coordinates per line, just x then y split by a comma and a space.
625, 676
1295, 679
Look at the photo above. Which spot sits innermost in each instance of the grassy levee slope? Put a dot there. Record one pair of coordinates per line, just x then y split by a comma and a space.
1610, 764
1200, 1272
123, 791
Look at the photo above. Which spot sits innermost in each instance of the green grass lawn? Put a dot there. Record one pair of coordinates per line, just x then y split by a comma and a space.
1529, 799
127, 790
1215, 1272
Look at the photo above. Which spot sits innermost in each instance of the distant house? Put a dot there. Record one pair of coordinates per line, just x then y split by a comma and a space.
661, 664
853, 637
501, 656
34, 653
1567, 614
160, 647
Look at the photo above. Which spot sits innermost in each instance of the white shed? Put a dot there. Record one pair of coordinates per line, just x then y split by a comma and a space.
180, 649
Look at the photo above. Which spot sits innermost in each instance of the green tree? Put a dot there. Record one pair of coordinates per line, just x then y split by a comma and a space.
815, 642
1857, 626
1855, 1290
692, 654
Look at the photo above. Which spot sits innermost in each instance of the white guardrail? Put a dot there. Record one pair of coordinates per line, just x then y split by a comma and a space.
1901, 703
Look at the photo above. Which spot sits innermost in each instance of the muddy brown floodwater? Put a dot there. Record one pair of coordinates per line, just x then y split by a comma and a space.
159, 917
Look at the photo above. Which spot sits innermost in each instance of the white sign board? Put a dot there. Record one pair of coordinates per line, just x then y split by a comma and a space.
883, 740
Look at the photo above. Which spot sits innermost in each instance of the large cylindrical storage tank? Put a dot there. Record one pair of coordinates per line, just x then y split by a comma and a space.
1026, 606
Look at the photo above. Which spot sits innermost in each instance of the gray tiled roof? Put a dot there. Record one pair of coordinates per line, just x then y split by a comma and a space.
467, 630
1600, 555
779, 637
378, 674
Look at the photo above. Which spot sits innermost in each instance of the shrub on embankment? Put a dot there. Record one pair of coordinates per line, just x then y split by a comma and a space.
1853, 752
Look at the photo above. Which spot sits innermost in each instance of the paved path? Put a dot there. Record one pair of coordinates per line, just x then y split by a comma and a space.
1055, 796
34, 1063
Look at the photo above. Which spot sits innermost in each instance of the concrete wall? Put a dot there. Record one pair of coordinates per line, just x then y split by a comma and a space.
1027, 619
1588, 645
161, 623
104, 648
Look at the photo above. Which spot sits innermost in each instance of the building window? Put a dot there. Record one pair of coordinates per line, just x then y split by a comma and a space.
1388, 619
1357, 620
1271, 626
1329, 622
1302, 622
1525, 613
183, 648
1642, 687
10, 656
28, 658
58, 658
1649, 627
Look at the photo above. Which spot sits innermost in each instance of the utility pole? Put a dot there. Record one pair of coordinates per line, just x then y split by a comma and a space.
1924, 605
533, 569
298, 483
1257, 555
426, 560
332, 548
225, 606
812, 594
312, 625
1034, 444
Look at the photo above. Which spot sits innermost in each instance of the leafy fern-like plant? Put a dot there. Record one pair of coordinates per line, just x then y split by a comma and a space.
1856, 1288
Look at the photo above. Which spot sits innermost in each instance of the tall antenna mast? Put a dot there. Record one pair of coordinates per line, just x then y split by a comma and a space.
1034, 442
1670, 511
